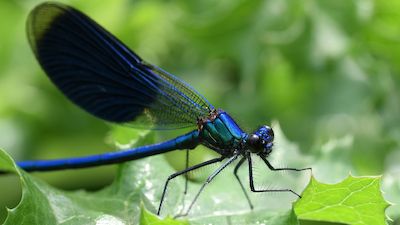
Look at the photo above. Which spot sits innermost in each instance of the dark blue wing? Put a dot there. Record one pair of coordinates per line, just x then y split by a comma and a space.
101, 75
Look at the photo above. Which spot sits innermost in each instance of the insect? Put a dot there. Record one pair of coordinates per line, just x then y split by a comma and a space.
104, 77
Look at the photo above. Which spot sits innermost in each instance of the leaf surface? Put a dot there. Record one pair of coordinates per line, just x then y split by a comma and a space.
354, 201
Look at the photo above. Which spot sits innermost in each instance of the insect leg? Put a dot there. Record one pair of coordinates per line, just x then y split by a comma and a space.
240, 163
186, 174
263, 157
172, 176
251, 180
209, 179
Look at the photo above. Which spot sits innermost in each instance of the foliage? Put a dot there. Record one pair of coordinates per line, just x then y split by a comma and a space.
125, 201
353, 201
122, 202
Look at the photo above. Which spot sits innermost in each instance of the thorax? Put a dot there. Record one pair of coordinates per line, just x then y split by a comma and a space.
220, 133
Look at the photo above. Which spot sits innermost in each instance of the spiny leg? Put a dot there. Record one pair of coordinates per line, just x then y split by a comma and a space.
240, 163
184, 172
209, 179
186, 181
263, 157
264, 190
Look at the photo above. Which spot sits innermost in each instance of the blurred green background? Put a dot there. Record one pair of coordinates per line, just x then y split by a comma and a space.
328, 71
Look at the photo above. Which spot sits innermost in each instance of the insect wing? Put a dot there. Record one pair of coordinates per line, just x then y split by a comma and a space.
101, 75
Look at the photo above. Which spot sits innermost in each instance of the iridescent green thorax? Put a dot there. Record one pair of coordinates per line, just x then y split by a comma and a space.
221, 133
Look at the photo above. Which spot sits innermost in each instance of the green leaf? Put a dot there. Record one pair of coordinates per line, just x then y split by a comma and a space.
6, 163
125, 137
134, 196
116, 204
147, 218
137, 184
354, 201
252, 218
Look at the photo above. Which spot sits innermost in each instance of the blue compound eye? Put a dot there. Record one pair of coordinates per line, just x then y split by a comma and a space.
266, 136
266, 133
270, 132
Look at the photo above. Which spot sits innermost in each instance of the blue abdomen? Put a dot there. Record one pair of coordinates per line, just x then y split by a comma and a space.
221, 134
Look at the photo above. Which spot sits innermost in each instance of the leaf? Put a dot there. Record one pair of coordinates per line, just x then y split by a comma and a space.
133, 196
252, 218
125, 137
354, 201
147, 218
6, 163
391, 186
116, 204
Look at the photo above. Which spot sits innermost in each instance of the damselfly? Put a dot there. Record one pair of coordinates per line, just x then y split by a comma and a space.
104, 77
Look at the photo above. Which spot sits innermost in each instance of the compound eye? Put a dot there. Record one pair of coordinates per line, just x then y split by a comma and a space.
269, 132
254, 139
